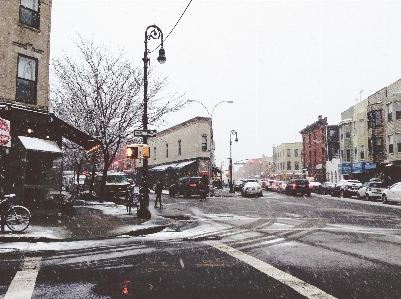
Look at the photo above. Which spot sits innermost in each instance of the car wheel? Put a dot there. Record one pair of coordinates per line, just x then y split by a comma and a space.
384, 199
358, 196
308, 194
342, 194
171, 193
367, 197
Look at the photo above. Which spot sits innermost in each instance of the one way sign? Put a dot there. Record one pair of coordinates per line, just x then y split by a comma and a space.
145, 133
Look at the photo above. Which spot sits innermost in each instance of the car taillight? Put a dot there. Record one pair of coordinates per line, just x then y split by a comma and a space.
294, 186
310, 186
192, 185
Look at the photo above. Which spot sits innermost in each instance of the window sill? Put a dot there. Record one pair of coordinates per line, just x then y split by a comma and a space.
29, 27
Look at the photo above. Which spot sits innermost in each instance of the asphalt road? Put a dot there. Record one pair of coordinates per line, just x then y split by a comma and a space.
276, 246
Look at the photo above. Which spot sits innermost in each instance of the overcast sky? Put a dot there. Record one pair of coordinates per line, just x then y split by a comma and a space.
283, 63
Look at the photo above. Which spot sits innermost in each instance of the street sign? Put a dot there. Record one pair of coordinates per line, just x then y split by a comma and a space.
145, 133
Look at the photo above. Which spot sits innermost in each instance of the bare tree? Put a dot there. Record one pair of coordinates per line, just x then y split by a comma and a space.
100, 93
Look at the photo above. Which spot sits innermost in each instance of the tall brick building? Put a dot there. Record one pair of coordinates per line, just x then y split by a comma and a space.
314, 144
30, 136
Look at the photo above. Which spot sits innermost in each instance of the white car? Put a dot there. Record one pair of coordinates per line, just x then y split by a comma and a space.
251, 188
371, 190
392, 193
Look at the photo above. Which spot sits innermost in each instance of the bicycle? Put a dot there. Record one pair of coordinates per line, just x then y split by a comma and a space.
17, 218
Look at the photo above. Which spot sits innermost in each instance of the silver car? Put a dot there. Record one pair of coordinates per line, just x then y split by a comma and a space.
251, 188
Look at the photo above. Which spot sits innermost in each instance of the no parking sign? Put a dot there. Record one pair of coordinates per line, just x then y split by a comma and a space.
5, 138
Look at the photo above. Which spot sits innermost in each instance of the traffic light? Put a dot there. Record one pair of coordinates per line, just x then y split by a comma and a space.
132, 151
145, 150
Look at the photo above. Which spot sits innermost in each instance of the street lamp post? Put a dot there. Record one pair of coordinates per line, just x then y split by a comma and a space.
233, 132
151, 32
211, 157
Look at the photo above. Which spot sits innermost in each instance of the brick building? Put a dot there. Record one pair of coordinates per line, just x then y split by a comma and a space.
33, 138
314, 147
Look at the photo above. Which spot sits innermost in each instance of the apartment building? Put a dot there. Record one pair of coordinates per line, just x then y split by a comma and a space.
31, 136
287, 160
314, 147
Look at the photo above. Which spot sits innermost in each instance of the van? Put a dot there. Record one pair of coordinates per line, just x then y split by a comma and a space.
116, 184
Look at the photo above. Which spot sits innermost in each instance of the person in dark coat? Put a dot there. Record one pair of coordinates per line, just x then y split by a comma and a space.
159, 189
204, 186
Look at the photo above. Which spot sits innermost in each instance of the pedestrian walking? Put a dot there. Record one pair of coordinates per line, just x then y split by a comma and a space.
204, 186
159, 189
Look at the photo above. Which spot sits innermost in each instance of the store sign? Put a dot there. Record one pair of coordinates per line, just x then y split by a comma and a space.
356, 167
5, 138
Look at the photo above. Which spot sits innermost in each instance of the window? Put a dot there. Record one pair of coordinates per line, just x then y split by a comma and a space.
29, 13
166, 150
289, 165
378, 118
26, 80
399, 142
296, 152
347, 131
204, 143
362, 152
179, 147
288, 152
355, 154
296, 165
397, 108
361, 127
390, 144
323, 151
154, 153
354, 128
389, 107
348, 157
341, 133
342, 155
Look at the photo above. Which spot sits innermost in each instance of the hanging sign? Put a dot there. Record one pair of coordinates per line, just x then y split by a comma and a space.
5, 138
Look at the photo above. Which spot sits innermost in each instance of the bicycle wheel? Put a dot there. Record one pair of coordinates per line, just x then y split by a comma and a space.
19, 219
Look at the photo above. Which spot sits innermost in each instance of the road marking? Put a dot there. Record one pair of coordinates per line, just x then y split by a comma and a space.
298, 285
24, 281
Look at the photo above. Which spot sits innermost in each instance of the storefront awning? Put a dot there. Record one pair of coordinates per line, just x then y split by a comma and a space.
183, 164
40, 145
163, 167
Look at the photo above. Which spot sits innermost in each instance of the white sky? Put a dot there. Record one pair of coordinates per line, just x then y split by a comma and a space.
283, 63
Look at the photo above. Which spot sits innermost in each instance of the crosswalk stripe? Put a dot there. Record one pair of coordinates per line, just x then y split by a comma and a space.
24, 281
298, 285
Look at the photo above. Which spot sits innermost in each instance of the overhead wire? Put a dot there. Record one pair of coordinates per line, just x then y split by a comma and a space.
174, 25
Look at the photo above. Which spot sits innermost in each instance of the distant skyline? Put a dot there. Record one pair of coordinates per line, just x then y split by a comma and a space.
282, 63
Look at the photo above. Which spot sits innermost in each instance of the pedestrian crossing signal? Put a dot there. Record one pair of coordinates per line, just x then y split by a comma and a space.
132, 151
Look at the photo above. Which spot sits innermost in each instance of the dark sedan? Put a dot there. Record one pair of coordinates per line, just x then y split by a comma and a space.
325, 188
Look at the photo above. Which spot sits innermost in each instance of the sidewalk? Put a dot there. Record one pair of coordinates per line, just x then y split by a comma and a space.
94, 220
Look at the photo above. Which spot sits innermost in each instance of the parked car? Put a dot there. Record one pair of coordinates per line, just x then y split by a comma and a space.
252, 188
315, 186
238, 185
325, 188
186, 186
276, 186
282, 186
298, 186
263, 184
371, 190
346, 188
269, 185
392, 193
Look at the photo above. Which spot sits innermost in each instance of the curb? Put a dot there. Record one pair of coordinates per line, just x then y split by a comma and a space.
132, 233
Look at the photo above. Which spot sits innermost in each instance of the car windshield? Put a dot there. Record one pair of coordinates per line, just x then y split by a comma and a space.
116, 179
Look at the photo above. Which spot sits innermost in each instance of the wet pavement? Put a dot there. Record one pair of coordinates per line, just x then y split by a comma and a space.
94, 220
